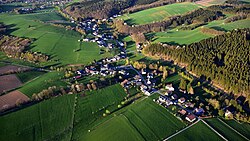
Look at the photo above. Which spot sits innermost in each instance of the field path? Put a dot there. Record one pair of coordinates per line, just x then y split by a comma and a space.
233, 129
73, 117
169, 137
214, 130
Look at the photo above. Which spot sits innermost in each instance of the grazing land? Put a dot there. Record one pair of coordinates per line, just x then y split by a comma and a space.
90, 108
224, 130
197, 132
177, 36
146, 119
48, 120
27, 76
43, 82
11, 99
51, 40
8, 82
158, 13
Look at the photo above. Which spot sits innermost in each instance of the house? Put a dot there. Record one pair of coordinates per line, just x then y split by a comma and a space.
228, 114
199, 111
189, 105
147, 93
169, 102
181, 100
190, 117
162, 99
182, 112
169, 87
168, 93
174, 97
143, 71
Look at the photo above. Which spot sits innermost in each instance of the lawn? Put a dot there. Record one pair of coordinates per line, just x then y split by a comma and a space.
158, 13
48, 120
243, 128
27, 76
43, 82
198, 132
60, 44
143, 120
224, 130
90, 108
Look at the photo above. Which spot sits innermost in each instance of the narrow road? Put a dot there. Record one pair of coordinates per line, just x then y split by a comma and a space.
169, 137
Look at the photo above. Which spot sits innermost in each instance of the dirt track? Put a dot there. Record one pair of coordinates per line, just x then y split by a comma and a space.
11, 99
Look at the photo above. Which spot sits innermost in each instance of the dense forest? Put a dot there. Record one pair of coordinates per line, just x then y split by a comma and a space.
223, 59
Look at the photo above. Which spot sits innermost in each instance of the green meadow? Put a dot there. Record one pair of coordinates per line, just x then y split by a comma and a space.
59, 43
91, 106
49, 120
181, 37
27, 76
224, 130
143, 120
197, 132
159, 13
42, 82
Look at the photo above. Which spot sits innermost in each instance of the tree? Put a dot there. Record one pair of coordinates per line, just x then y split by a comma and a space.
94, 86
221, 113
183, 84
190, 88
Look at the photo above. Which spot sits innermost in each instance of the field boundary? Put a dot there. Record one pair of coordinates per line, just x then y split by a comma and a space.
173, 135
214, 130
232, 129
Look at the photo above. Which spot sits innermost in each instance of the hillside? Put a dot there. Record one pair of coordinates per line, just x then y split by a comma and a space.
223, 59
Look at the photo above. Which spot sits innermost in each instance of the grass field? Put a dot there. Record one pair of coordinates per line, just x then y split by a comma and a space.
60, 44
90, 108
48, 120
27, 76
145, 119
197, 132
41, 83
224, 130
243, 128
176, 36
158, 13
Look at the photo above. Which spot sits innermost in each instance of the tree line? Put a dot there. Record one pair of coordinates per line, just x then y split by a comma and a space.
223, 59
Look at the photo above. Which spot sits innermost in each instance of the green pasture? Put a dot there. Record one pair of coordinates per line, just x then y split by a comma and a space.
27, 76
176, 36
158, 13
91, 106
243, 128
42, 82
224, 130
48, 120
197, 132
59, 43
145, 119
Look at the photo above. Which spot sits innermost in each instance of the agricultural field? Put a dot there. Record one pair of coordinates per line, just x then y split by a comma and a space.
158, 13
11, 99
145, 119
9, 82
91, 106
243, 128
51, 40
43, 82
184, 37
5, 69
27, 76
224, 130
197, 132
48, 120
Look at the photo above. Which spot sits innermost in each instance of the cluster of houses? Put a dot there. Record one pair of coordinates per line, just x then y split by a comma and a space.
187, 111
